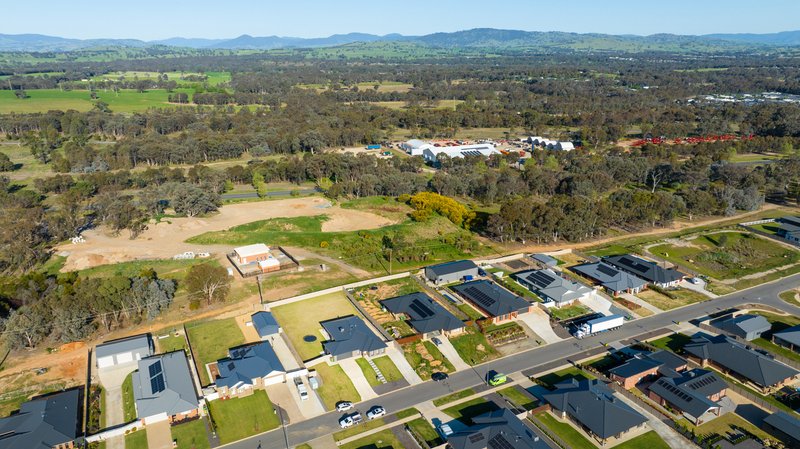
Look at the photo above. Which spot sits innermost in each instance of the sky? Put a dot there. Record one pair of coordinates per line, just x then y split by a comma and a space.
160, 19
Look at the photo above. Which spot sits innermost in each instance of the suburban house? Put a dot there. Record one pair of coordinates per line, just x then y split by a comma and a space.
350, 337
646, 366
731, 356
499, 429
551, 287
247, 368
696, 394
446, 273
614, 280
163, 389
545, 261
494, 301
426, 316
593, 407
124, 351
265, 324
789, 338
789, 228
785, 426
53, 421
748, 327
646, 269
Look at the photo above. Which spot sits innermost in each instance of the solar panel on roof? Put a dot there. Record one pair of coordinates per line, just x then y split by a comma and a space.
155, 368
421, 309
499, 442
541, 278
479, 296
608, 271
475, 438
157, 383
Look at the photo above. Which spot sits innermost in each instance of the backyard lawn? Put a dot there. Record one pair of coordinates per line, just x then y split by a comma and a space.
572, 437
335, 386
300, 320
727, 255
465, 411
166, 341
128, 402
682, 297
385, 365
384, 439
136, 440
241, 417
426, 359
388, 289
191, 435
724, 425
473, 347
649, 440
210, 341
563, 375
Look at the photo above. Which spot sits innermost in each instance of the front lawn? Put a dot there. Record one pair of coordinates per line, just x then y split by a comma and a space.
465, 411
128, 402
563, 375
136, 440
300, 320
191, 435
210, 341
242, 417
425, 431
649, 440
519, 398
384, 439
674, 342
426, 359
572, 311
335, 386
355, 430
473, 347
677, 297
385, 365
572, 437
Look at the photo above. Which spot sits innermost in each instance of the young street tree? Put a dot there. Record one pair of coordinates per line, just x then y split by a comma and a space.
208, 282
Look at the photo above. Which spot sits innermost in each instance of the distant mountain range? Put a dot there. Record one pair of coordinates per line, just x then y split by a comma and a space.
475, 38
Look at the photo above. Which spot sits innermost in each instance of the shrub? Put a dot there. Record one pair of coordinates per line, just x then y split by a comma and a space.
323, 244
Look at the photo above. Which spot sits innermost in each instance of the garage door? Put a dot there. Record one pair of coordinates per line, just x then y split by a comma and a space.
105, 362
125, 357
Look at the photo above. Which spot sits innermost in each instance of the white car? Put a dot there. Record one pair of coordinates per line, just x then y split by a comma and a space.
376, 412
344, 406
346, 422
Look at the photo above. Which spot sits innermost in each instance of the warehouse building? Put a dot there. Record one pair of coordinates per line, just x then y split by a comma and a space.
446, 273
124, 351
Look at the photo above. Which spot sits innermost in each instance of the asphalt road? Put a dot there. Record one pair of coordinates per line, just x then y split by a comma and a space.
248, 195
534, 360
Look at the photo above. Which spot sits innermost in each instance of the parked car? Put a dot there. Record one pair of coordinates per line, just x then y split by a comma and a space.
445, 431
436, 341
439, 376
497, 379
481, 272
350, 420
376, 412
344, 406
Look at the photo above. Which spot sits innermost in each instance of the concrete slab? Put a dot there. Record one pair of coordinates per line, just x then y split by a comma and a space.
159, 435
285, 355
279, 395
597, 303
112, 379
116, 442
396, 354
309, 408
449, 351
353, 371
539, 322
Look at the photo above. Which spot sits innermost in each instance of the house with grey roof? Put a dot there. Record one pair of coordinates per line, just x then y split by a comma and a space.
732, 357
785, 426
498, 429
614, 280
46, 422
789, 338
554, 289
265, 324
695, 394
124, 351
248, 368
163, 388
426, 316
593, 407
646, 366
493, 301
748, 327
789, 228
350, 337
545, 261
446, 273
648, 270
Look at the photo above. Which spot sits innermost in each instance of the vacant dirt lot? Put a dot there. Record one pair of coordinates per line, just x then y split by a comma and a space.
166, 239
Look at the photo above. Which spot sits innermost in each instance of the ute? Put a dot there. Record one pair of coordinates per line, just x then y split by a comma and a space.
497, 379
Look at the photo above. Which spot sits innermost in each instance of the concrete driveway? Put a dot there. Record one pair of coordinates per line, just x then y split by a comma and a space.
539, 322
159, 435
285, 355
355, 374
112, 379
402, 365
673, 439
280, 395
700, 287
597, 303
449, 351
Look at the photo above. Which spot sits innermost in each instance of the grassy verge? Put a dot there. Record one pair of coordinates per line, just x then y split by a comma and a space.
465, 411
355, 430
191, 435
406, 413
335, 386
300, 321
453, 397
136, 440
242, 417
210, 341
790, 297
473, 347
128, 402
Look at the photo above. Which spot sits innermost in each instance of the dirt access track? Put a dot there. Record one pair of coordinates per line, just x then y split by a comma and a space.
166, 239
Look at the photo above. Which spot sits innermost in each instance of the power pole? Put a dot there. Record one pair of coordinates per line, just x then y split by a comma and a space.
390, 260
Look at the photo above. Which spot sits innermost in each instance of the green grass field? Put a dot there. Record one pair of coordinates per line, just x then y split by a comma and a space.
191, 435
452, 397
335, 386
214, 78
572, 437
515, 395
210, 341
128, 401
298, 283
473, 347
674, 342
683, 297
126, 100
136, 440
170, 343
167, 268
300, 321
384, 439
385, 365
241, 417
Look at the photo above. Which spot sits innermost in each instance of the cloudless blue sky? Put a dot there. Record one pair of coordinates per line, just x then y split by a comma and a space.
158, 19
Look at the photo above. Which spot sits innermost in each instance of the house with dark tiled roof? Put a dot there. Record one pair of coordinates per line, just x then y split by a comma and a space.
248, 368
495, 302
648, 270
789, 228
646, 366
446, 273
785, 426
552, 287
163, 388
426, 316
350, 337
789, 338
748, 327
49, 422
265, 324
499, 429
743, 362
593, 407
695, 394
613, 280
